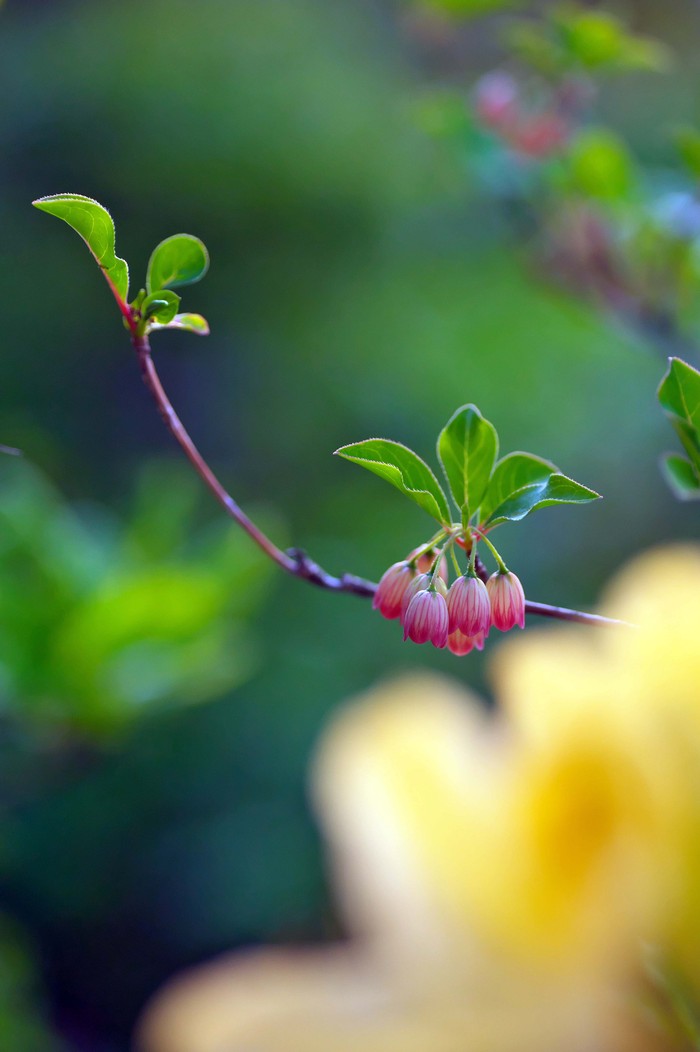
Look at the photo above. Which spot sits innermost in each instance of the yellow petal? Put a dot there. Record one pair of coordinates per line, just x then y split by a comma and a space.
403, 782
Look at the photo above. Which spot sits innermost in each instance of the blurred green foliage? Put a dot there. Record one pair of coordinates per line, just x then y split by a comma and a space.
99, 622
355, 289
573, 37
22, 1022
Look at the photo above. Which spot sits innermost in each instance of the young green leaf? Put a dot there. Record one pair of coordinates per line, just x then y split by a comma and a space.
679, 392
188, 322
161, 306
681, 477
679, 397
511, 474
467, 447
94, 224
400, 466
179, 260
556, 489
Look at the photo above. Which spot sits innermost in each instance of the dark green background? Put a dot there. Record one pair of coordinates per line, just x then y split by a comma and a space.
357, 287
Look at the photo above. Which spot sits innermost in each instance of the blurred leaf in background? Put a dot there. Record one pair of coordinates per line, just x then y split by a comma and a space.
101, 621
22, 1021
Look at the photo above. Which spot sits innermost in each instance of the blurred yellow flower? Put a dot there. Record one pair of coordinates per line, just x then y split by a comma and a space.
507, 878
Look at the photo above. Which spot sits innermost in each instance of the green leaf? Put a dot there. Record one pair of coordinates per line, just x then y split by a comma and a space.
400, 466
679, 397
511, 474
598, 40
681, 477
94, 224
690, 440
600, 165
679, 392
189, 323
593, 38
467, 447
161, 306
557, 489
179, 260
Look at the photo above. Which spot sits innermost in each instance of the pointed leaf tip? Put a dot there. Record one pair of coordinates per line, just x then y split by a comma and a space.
187, 322
554, 488
94, 224
467, 448
404, 469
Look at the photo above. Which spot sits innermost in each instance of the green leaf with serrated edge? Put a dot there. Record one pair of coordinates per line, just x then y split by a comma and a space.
188, 322
161, 306
467, 447
179, 260
557, 489
681, 477
94, 224
404, 469
511, 473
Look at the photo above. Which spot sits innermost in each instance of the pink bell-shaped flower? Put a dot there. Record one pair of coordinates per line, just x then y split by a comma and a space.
426, 619
419, 584
469, 606
507, 600
388, 598
460, 644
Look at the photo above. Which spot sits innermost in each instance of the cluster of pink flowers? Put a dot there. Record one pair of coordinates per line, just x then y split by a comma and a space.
499, 107
458, 618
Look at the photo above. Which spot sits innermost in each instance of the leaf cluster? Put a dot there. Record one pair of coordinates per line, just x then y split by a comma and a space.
486, 491
178, 260
679, 397
576, 39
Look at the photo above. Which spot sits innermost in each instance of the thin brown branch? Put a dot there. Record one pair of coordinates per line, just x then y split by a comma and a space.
562, 613
179, 433
559, 613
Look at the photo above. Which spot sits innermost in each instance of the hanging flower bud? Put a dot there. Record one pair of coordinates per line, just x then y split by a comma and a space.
460, 644
507, 600
469, 606
426, 619
426, 562
391, 590
418, 584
